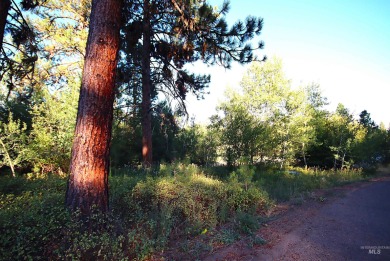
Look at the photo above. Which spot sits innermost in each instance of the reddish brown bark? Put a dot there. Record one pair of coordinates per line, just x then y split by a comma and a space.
146, 90
89, 168
4, 8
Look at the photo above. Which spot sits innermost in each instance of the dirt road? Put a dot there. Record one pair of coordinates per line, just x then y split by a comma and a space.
347, 223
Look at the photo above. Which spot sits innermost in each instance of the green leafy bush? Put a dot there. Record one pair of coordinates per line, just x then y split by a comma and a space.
190, 203
246, 223
52, 130
31, 216
242, 194
13, 143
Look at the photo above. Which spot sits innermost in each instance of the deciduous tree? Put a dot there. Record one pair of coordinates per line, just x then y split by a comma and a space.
267, 119
13, 143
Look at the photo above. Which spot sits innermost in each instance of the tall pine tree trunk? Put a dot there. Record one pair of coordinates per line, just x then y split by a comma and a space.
89, 168
4, 8
146, 89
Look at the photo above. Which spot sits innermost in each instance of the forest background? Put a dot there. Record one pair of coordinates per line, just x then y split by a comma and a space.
267, 141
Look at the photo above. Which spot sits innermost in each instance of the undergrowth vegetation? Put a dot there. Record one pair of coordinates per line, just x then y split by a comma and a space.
149, 209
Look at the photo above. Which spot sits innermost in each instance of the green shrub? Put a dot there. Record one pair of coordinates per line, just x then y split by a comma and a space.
243, 194
256, 240
191, 202
227, 236
187, 202
246, 223
31, 218
13, 143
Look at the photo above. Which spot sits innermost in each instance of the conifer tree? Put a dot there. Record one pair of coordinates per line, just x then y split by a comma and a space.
88, 180
18, 48
171, 34
4, 8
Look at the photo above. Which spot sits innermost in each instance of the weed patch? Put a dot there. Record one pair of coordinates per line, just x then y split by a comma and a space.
284, 185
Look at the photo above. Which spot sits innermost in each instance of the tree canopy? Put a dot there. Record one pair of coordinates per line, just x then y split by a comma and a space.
169, 35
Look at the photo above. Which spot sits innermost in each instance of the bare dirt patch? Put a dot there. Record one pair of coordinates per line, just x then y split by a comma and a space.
333, 224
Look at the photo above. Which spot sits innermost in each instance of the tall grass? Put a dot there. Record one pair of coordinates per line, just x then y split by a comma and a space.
283, 185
